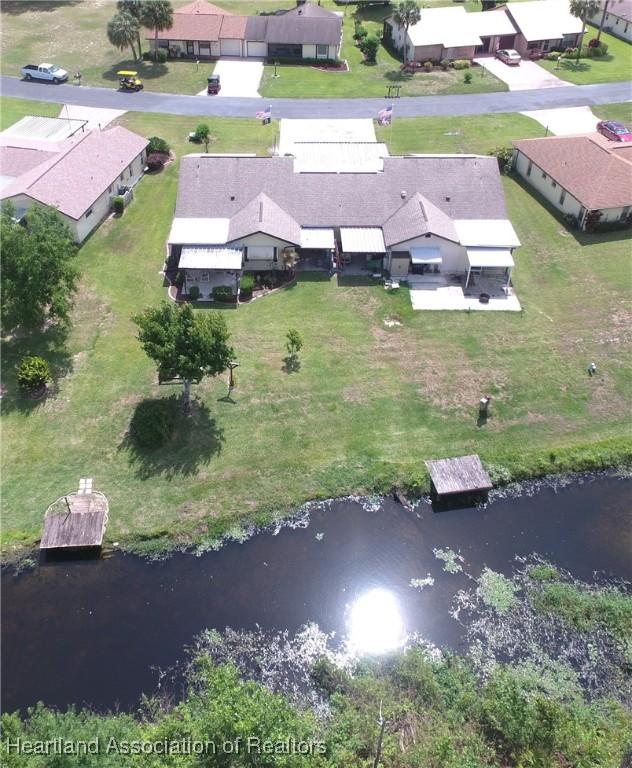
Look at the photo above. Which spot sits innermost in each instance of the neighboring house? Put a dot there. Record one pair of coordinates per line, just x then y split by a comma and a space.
452, 33
78, 176
202, 30
617, 20
544, 25
440, 218
585, 177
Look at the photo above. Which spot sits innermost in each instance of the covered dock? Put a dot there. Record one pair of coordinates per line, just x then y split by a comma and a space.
76, 520
461, 475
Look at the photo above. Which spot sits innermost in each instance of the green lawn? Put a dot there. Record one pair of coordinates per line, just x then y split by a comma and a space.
621, 112
369, 403
615, 65
366, 80
73, 36
12, 110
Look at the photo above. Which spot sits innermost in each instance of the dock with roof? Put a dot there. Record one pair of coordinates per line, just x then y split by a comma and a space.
461, 475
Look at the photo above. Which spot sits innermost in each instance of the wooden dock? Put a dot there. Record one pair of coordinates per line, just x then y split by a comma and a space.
76, 521
464, 474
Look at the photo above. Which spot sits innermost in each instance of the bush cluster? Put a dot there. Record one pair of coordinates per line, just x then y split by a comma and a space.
33, 372
223, 293
156, 162
156, 144
153, 422
118, 205
246, 286
161, 55
461, 64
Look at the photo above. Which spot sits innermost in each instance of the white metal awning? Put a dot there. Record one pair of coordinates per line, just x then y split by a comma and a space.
318, 238
362, 240
195, 231
210, 258
489, 257
486, 233
425, 255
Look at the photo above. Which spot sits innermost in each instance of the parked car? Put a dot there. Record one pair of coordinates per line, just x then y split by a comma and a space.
509, 56
614, 130
50, 72
129, 81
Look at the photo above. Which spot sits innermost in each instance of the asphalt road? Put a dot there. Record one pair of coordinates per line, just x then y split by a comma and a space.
467, 104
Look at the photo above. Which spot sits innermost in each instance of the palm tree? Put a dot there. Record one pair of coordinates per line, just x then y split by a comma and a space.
134, 8
406, 15
603, 18
122, 31
157, 15
583, 9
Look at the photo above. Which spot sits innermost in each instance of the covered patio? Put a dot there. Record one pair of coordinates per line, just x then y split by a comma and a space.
362, 250
207, 268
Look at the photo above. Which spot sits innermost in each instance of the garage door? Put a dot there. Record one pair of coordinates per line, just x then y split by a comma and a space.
231, 47
257, 49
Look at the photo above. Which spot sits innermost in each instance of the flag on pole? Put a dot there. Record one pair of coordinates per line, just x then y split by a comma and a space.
385, 116
265, 114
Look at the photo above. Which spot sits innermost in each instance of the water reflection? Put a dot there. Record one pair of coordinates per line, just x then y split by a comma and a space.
375, 623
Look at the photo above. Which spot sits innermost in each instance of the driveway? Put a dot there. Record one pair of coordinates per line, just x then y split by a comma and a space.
239, 77
566, 121
97, 117
526, 76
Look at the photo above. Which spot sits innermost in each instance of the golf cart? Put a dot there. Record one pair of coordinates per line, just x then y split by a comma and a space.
213, 87
129, 81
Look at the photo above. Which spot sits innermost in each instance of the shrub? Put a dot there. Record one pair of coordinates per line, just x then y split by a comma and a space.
161, 56
504, 155
467, 78
118, 204
246, 286
156, 144
33, 373
361, 32
153, 422
445, 64
146, 56
554, 55
194, 293
461, 64
223, 293
202, 133
369, 46
428, 66
155, 162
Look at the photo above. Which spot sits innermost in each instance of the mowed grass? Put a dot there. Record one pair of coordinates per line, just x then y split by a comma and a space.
615, 65
369, 80
73, 35
369, 403
621, 112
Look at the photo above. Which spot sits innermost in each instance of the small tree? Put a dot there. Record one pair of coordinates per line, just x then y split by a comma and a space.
294, 343
369, 47
203, 133
156, 144
406, 15
33, 373
123, 31
185, 344
583, 9
157, 15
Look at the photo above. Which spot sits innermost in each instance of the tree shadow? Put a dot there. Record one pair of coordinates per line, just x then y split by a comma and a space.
291, 364
50, 345
311, 277
147, 70
18, 7
196, 440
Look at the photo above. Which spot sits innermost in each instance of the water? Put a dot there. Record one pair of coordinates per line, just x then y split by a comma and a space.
97, 632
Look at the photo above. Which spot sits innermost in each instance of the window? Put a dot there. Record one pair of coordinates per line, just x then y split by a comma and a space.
554, 184
543, 175
89, 213
322, 51
205, 49
190, 49
562, 196
129, 170
529, 167
533, 45
163, 44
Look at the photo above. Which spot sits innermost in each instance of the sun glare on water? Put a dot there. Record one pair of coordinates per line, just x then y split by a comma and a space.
375, 623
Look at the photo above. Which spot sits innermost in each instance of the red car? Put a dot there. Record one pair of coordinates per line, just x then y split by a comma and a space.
509, 56
611, 129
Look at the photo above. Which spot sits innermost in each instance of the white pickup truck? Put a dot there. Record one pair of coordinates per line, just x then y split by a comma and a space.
44, 72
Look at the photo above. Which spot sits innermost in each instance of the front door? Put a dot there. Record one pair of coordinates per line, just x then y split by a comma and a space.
190, 48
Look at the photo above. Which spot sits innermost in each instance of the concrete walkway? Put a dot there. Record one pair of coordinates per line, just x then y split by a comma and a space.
466, 104
566, 121
527, 76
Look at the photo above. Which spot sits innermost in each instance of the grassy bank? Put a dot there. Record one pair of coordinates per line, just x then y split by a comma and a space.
370, 402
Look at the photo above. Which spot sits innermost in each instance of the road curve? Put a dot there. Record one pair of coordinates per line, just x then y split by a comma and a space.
420, 106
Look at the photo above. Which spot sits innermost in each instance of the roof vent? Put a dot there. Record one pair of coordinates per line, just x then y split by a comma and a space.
447, 198
232, 197
403, 194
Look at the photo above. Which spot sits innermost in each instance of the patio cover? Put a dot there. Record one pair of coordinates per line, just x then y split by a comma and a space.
210, 258
318, 238
426, 255
362, 240
486, 233
489, 257
193, 231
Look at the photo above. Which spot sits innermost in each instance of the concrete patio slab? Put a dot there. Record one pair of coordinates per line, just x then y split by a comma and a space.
442, 296
525, 77
565, 121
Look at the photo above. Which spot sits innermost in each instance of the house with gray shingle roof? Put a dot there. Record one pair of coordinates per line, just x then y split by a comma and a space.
587, 177
616, 16
435, 219
203, 30
79, 177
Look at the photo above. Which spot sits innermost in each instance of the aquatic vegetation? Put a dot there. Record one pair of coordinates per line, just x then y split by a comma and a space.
452, 560
497, 591
422, 583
